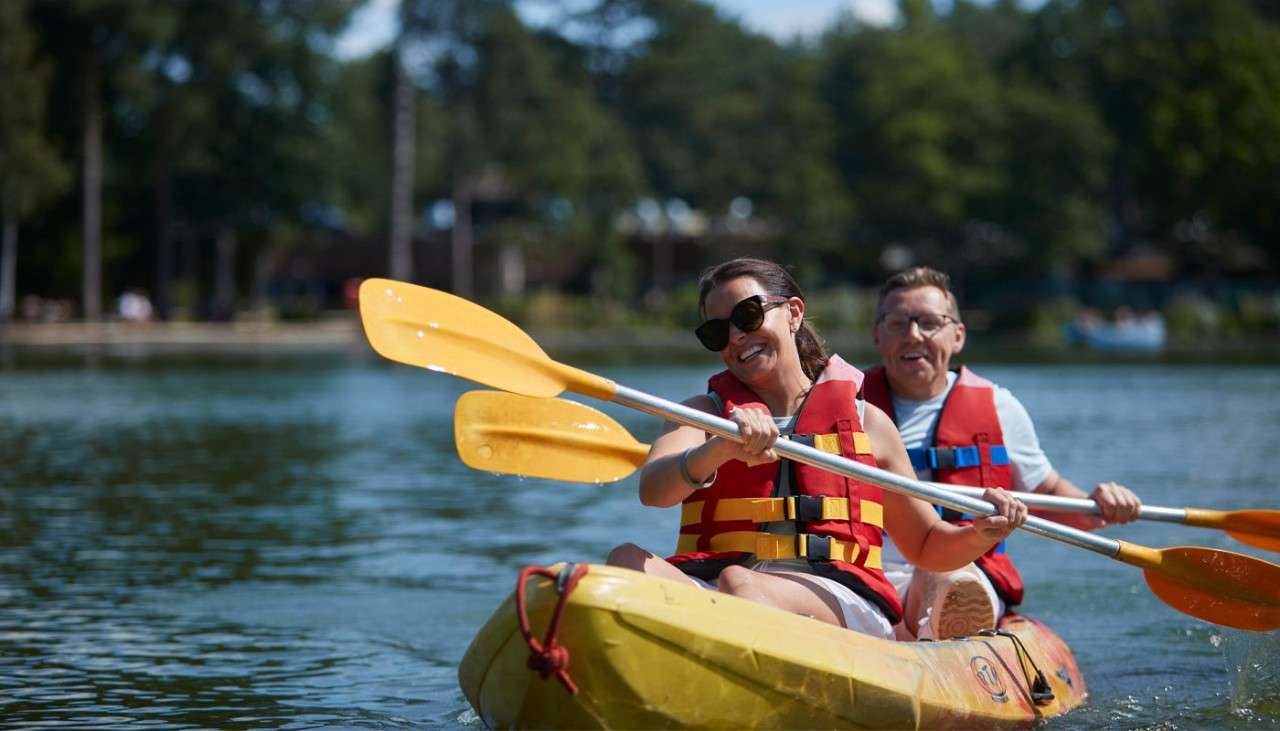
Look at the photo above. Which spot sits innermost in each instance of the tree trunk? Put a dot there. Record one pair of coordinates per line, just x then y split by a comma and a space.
402, 172
91, 289
164, 211
462, 239
663, 263
224, 282
8, 263
511, 270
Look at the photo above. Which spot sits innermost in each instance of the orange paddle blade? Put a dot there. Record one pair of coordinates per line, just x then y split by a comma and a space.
1222, 587
1259, 528
553, 439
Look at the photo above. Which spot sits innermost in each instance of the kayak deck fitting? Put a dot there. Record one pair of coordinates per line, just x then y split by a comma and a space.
647, 652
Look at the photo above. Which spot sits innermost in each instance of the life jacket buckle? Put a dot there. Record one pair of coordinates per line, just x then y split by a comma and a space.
943, 458
813, 547
806, 508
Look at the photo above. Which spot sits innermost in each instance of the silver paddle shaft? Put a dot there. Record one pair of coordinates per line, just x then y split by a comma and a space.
687, 416
1074, 505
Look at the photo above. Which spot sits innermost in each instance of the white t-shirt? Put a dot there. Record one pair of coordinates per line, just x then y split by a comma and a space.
918, 422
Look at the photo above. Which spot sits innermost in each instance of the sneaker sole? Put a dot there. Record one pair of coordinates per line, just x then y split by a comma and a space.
964, 610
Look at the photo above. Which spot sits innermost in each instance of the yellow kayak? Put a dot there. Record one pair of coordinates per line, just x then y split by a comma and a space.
644, 652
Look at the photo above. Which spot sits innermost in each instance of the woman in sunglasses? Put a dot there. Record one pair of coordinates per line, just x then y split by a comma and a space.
778, 532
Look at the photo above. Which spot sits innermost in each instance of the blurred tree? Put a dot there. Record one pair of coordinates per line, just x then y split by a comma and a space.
30, 168
554, 147
437, 49
522, 127
697, 118
96, 43
1055, 152
802, 189
749, 133
918, 141
249, 104
403, 137
1048, 212
1191, 91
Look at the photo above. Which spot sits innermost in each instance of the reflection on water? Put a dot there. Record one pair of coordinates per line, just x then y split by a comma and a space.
292, 542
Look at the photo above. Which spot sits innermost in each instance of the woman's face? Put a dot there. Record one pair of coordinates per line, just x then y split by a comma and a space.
754, 355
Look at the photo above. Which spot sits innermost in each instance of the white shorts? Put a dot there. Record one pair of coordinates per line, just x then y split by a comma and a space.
859, 614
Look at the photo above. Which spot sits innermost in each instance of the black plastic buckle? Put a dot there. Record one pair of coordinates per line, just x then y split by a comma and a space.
816, 548
944, 458
808, 508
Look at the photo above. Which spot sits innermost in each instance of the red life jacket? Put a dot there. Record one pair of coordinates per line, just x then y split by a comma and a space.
839, 521
968, 450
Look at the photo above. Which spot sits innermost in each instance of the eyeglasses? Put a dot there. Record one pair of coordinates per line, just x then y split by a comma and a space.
929, 324
747, 316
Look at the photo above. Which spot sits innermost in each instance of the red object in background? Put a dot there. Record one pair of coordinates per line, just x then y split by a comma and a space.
351, 292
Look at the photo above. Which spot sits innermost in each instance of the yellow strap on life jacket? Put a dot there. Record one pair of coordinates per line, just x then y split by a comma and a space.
831, 443
769, 509
770, 546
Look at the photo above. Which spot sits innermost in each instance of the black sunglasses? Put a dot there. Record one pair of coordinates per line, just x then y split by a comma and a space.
747, 316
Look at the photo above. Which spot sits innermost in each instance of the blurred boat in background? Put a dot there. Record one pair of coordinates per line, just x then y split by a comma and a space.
1143, 332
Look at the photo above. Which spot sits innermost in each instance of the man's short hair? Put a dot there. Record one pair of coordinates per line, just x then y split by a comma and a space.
919, 277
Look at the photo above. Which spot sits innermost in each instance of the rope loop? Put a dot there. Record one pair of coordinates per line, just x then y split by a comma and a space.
547, 657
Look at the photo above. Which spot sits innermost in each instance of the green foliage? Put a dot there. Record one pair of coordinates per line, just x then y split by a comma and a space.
1191, 317
1049, 317
30, 168
1190, 90
1055, 162
916, 146
995, 141
842, 310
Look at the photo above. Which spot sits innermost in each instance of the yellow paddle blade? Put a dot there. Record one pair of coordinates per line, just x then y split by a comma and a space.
1222, 587
1260, 528
549, 438
441, 332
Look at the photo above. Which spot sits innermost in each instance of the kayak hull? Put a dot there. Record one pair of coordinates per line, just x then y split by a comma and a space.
653, 653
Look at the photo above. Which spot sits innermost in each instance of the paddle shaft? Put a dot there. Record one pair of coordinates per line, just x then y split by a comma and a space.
1074, 505
946, 497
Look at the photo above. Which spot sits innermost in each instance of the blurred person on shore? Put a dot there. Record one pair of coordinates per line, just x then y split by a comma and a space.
962, 429
134, 306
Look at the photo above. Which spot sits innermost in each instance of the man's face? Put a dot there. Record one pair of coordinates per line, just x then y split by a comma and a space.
916, 335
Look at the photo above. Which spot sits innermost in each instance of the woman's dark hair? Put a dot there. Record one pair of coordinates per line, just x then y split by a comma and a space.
776, 281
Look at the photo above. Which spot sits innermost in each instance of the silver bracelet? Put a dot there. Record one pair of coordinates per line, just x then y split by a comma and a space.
688, 479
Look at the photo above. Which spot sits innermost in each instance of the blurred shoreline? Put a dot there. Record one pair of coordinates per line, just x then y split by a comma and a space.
340, 334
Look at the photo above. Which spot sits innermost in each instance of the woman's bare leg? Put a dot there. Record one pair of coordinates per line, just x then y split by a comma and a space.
631, 556
792, 592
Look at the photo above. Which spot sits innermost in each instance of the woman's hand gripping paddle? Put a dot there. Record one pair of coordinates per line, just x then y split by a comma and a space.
442, 332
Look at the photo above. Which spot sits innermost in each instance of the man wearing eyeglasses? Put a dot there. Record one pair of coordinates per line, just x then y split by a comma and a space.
960, 428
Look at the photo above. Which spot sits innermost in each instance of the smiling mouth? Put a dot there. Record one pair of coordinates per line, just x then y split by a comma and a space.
911, 357
750, 353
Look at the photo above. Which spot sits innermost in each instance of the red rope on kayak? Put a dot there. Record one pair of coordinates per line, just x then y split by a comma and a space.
548, 657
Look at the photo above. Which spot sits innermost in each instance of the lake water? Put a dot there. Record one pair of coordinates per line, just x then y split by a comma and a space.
290, 541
